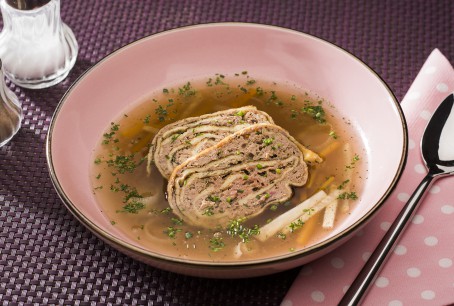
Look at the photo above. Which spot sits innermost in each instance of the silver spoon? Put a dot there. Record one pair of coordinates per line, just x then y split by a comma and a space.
437, 147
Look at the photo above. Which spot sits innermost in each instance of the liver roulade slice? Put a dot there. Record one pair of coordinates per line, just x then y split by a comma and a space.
238, 177
178, 141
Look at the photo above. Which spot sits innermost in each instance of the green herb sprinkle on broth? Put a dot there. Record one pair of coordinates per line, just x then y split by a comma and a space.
135, 202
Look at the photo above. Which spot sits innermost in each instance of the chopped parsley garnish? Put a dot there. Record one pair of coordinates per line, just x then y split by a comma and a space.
109, 136
166, 210
333, 134
240, 113
259, 166
281, 236
161, 112
316, 112
216, 244
177, 221
208, 211
132, 207
186, 90
172, 231
123, 163
273, 207
295, 225
353, 162
215, 199
97, 161
175, 136
268, 141
342, 185
188, 235
236, 229
348, 196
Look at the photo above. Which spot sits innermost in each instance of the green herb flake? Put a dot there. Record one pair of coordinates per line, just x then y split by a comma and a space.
295, 225
216, 244
240, 113
166, 210
215, 199
333, 134
186, 90
342, 185
235, 228
208, 211
268, 141
273, 207
172, 231
161, 112
316, 112
177, 221
133, 207
146, 120
348, 196
259, 166
188, 235
281, 236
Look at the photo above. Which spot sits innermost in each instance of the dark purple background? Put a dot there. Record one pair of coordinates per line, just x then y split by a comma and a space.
46, 256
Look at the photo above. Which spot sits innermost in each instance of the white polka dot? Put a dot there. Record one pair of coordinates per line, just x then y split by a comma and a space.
430, 70
435, 189
413, 95
425, 115
306, 270
382, 282
411, 144
385, 225
431, 241
403, 197
345, 289
447, 209
428, 295
417, 219
445, 262
395, 303
317, 296
419, 168
442, 87
413, 272
337, 263
287, 303
400, 250
365, 256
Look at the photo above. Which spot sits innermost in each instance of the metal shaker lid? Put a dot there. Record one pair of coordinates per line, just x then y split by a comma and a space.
27, 5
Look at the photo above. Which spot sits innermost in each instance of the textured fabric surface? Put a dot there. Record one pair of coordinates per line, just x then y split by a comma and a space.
47, 256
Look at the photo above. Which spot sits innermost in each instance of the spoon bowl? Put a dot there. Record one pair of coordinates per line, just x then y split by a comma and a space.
437, 149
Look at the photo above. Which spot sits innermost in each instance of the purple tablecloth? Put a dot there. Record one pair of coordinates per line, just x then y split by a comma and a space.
48, 257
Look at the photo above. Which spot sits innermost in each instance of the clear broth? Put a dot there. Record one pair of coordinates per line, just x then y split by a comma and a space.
125, 144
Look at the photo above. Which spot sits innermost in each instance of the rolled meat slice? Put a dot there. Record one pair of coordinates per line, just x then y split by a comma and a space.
238, 177
177, 142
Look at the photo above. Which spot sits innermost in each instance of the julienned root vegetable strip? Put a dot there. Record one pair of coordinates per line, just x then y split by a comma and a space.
330, 215
309, 213
286, 218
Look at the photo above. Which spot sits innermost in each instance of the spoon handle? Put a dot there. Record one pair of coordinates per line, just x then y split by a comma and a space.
361, 284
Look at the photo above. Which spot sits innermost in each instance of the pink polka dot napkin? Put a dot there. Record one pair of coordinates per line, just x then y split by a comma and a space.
421, 269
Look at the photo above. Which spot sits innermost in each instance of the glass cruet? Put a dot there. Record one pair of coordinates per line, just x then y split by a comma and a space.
37, 49
10, 111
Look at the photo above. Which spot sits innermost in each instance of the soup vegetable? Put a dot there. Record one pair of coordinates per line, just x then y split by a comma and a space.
133, 193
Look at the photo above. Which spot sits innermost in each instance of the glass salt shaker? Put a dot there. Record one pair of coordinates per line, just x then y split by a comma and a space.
10, 111
37, 49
